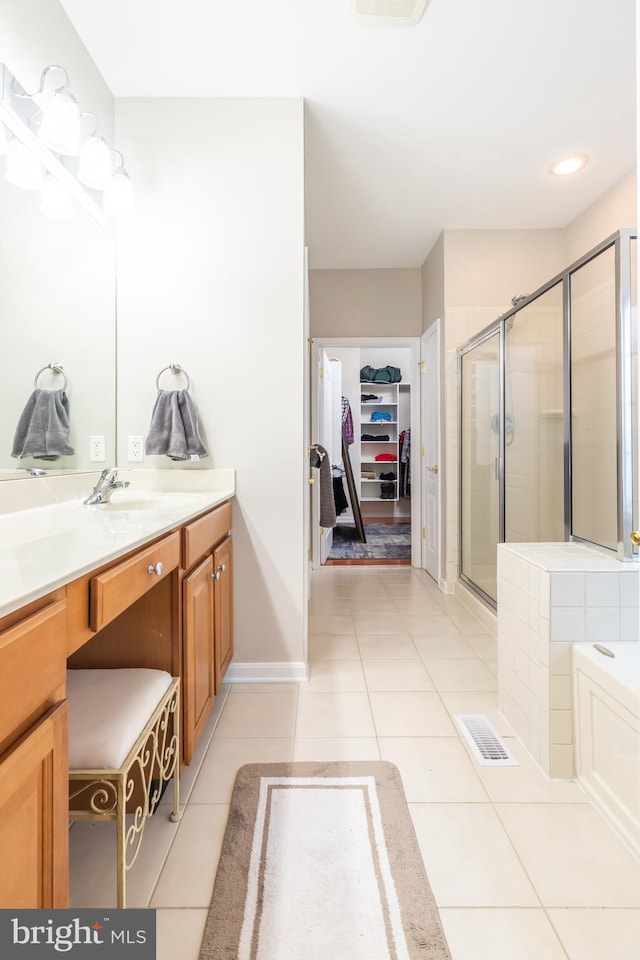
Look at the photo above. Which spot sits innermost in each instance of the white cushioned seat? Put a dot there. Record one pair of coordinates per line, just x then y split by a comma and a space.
108, 710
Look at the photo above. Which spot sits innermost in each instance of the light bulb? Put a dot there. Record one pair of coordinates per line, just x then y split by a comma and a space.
570, 165
60, 127
23, 169
94, 166
56, 201
118, 195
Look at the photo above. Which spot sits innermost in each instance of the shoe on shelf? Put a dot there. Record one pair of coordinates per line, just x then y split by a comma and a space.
388, 476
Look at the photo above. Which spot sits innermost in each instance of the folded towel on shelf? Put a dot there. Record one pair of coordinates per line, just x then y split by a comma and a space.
380, 437
43, 427
386, 457
368, 475
174, 427
379, 415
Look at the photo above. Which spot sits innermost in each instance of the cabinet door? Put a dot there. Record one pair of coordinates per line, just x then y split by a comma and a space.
198, 678
223, 593
34, 806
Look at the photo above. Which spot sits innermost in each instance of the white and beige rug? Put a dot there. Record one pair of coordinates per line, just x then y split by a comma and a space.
321, 862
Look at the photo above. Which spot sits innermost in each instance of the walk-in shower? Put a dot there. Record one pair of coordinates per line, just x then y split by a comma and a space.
547, 407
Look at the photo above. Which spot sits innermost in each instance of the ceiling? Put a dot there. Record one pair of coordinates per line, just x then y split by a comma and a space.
452, 123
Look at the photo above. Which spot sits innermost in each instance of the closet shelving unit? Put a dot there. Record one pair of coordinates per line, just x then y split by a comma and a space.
370, 490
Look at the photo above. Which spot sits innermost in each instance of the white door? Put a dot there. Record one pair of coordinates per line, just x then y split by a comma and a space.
430, 399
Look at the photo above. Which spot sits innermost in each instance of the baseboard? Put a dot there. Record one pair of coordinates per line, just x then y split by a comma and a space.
474, 605
286, 672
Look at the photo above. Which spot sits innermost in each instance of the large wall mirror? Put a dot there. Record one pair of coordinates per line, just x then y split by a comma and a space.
57, 306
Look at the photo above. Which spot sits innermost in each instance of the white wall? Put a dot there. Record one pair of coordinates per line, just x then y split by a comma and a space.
613, 211
211, 276
365, 303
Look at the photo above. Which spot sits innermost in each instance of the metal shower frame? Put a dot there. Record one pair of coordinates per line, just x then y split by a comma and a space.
626, 400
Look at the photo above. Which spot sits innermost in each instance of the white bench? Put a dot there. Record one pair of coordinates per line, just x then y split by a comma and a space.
124, 736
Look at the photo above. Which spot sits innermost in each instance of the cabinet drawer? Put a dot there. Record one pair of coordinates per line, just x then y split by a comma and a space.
203, 534
33, 663
116, 589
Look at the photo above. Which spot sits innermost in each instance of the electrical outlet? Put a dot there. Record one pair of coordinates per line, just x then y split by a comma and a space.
135, 449
97, 449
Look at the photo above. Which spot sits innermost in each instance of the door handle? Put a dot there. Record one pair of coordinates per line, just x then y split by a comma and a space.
433, 469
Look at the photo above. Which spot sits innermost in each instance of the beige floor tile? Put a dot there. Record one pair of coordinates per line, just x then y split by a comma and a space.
444, 648
468, 857
371, 606
331, 606
434, 769
336, 748
431, 625
408, 589
484, 644
396, 675
572, 856
498, 934
596, 934
333, 647
190, 869
421, 604
461, 675
465, 622
225, 757
92, 862
376, 623
179, 934
258, 715
390, 646
334, 715
526, 782
410, 715
477, 702
330, 623
328, 675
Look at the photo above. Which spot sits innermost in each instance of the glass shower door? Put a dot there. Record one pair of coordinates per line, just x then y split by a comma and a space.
479, 487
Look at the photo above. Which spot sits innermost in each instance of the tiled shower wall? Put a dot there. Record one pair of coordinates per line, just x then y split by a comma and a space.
550, 596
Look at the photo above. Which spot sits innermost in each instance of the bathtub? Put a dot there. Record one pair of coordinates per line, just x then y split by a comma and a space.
606, 699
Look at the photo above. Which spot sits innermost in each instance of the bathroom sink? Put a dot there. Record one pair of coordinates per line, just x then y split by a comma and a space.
141, 500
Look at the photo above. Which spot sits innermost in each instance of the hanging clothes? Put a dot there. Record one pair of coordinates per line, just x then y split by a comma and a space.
405, 463
339, 496
318, 457
347, 421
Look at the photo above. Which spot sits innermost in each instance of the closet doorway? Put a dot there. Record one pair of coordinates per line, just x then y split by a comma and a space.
378, 417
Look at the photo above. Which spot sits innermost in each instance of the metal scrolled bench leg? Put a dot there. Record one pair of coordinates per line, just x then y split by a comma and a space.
124, 736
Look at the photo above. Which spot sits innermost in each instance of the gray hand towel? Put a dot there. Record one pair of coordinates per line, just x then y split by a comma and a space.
43, 427
174, 427
318, 457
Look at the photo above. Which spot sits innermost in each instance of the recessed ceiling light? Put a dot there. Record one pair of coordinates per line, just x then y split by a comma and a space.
570, 165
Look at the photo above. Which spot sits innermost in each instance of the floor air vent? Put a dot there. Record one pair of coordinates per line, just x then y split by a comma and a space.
487, 747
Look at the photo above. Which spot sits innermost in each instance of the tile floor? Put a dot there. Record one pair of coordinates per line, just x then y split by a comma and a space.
522, 868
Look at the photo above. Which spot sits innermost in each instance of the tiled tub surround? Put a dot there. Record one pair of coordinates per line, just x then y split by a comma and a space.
550, 596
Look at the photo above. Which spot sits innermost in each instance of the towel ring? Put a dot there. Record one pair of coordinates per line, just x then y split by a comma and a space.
175, 368
56, 368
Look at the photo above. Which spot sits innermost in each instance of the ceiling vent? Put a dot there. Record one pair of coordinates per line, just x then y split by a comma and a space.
386, 13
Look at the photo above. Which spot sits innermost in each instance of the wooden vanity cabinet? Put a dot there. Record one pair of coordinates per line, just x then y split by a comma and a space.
207, 637
33, 757
165, 605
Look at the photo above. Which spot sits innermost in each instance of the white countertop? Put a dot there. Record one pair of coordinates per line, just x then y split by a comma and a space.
46, 546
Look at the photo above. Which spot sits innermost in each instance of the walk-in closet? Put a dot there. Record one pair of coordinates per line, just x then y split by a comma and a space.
366, 403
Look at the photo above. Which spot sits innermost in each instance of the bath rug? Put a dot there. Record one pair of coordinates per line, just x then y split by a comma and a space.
321, 861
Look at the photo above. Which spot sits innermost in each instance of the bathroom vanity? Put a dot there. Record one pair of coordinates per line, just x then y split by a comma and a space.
144, 581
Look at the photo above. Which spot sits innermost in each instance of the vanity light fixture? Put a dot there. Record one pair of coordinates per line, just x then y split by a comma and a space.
569, 165
94, 162
48, 129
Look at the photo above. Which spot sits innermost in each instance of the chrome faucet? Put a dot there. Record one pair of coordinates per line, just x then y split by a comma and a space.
105, 486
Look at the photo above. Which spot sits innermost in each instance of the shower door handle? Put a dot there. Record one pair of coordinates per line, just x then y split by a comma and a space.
635, 537
433, 469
